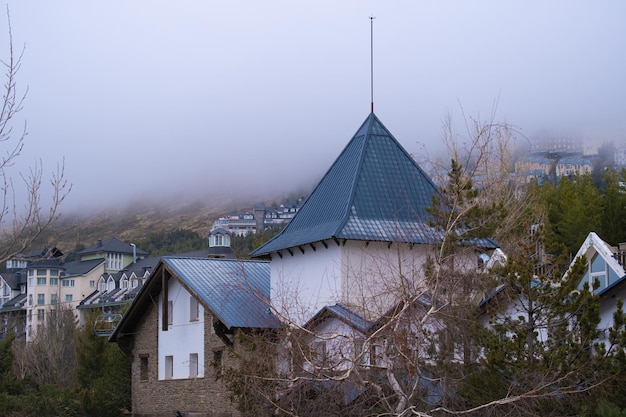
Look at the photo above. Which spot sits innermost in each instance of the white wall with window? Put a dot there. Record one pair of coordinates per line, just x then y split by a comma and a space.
181, 346
114, 261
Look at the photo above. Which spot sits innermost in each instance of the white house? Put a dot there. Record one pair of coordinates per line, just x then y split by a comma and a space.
179, 327
605, 264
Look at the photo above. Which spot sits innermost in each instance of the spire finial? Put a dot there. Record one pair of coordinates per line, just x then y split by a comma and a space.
372, 63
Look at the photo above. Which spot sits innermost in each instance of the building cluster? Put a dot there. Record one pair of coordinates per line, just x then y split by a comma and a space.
554, 157
334, 270
347, 256
104, 280
260, 218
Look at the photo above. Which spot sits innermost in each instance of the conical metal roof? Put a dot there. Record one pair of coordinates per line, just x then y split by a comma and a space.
374, 191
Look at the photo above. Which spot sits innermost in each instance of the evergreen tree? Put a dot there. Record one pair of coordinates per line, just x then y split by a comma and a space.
540, 344
613, 217
102, 374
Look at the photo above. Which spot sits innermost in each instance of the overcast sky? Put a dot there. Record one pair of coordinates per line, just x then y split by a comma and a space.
196, 97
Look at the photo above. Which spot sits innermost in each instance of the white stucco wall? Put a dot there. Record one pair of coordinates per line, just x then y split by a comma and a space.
608, 305
340, 341
367, 276
183, 336
376, 275
303, 283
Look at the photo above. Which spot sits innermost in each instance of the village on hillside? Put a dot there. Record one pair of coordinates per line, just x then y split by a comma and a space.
369, 301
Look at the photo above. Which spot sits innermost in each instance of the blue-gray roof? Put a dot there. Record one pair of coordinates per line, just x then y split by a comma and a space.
237, 292
342, 313
112, 245
374, 191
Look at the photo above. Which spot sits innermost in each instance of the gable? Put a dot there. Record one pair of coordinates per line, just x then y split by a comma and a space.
598, 268
234, 291
601, 264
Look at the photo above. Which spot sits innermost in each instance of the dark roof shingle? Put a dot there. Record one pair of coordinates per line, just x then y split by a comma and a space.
373, 191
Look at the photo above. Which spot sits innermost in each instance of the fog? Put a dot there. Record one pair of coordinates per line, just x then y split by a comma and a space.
165, 100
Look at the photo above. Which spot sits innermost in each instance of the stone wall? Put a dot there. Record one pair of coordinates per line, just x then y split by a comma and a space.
196, 397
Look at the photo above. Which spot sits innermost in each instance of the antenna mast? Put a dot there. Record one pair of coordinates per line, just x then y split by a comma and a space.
372, 63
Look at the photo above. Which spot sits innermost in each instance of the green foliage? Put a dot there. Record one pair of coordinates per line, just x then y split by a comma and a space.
606, 408
8, 382
578, 205
548, 344
243, 245
613, 218
102, 374
172, 242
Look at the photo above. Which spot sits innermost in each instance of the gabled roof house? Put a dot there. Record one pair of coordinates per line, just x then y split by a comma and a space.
605, 264
179, 325
118, 254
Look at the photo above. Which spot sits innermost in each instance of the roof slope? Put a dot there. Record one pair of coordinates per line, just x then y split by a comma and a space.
373, 191
610, 265
235, 291
112, 244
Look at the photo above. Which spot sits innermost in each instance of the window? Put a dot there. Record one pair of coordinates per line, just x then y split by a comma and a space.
53, 299
92, 284
68, 297
170, 312
40, 314
30, 299
169, 367
143, 366
376, 352
134, 283
67, 283
54, 282
193, 365
41, 272
318, 351
41, 299
102, 285
193, 308
41, 280
111, 284
218, 356
359, 351
114, 260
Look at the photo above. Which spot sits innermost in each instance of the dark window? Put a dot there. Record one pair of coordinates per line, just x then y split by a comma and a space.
143, 367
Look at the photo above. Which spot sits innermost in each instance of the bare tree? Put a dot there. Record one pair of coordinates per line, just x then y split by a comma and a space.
50, 358
24, 214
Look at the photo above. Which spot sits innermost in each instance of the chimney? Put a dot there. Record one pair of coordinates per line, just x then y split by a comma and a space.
259, 217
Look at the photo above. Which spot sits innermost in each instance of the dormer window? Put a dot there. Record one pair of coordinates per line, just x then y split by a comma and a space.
102, 285
219, 239
114, 261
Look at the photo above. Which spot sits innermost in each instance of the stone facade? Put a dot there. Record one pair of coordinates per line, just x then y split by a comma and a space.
193, 397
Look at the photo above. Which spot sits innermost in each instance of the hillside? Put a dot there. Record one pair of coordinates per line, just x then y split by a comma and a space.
134, 222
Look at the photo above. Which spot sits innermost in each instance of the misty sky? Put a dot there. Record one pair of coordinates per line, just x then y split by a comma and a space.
195, 97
